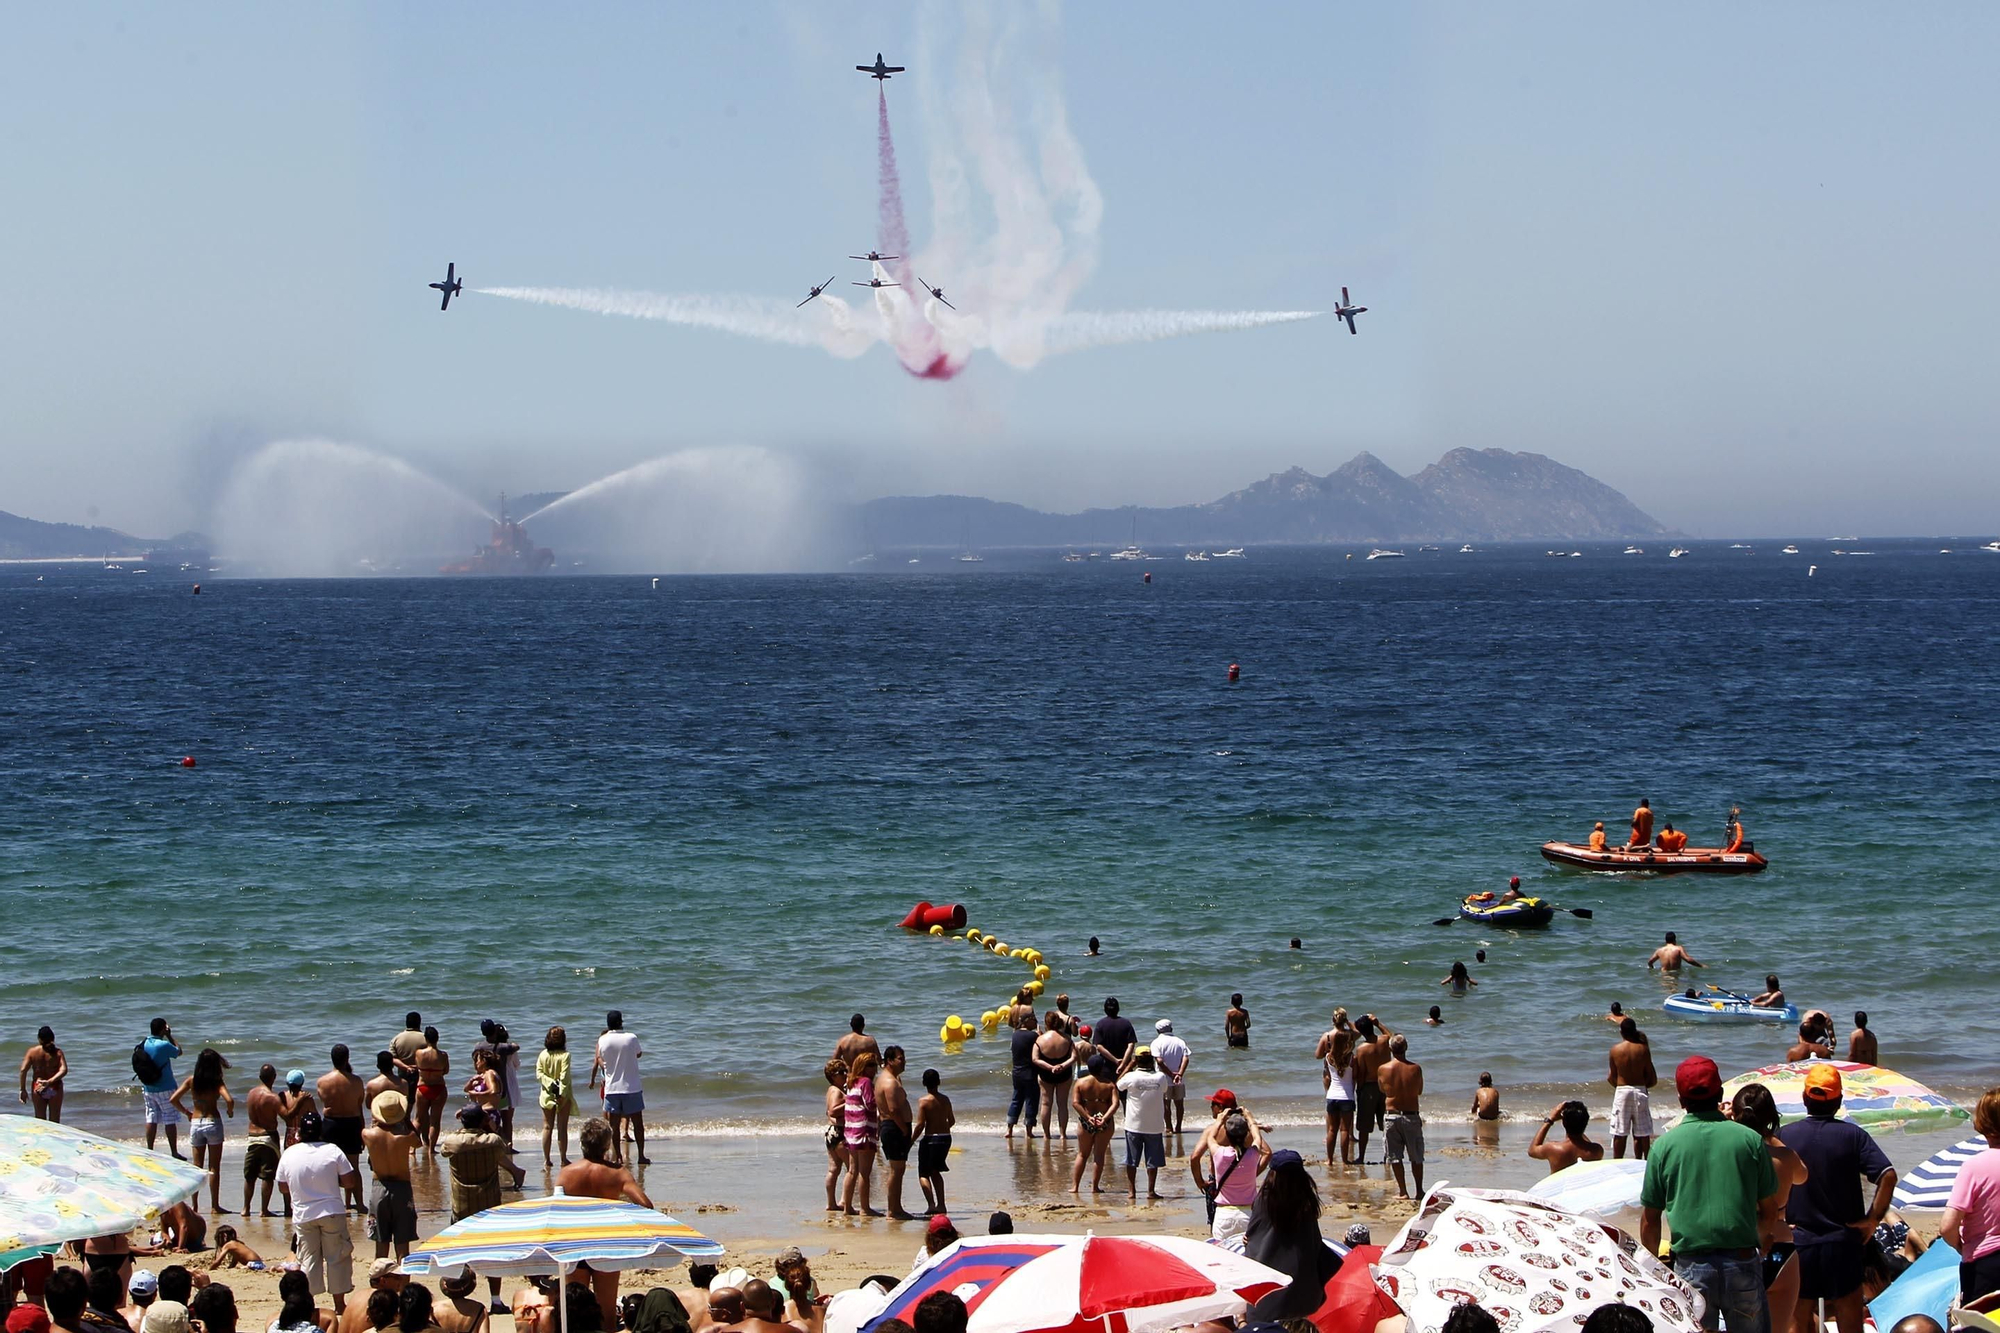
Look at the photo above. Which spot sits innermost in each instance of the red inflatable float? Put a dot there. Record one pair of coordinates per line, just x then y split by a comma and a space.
923, 916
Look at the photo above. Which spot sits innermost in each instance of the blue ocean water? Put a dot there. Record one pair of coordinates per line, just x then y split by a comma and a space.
708, 802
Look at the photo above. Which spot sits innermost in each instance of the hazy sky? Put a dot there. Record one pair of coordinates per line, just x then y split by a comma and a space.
1734, 260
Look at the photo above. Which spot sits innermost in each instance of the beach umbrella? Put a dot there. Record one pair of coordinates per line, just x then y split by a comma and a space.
1929, 1185
1537, 1267
58, 1184
1354, 1304
1872, 1097
1607, 1190
1929, 1286
554, 1235
1086, 1284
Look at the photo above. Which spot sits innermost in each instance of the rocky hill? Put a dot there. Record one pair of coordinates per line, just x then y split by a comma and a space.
1468, 495
32, 539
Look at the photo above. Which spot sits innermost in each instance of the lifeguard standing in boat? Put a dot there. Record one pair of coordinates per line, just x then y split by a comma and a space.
1642, 824
1732, 830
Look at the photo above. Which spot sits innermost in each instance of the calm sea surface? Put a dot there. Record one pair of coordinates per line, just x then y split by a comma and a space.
708, 803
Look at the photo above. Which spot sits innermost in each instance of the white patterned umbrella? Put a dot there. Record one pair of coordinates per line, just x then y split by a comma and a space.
59, 1183
1534, 1266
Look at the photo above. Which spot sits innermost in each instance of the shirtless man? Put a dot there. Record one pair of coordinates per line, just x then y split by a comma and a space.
1861, 1042
892, 1103
390, 1141
261, 1108
431, 1065
933, 1123
1808, 1046
1631, 1078
1402, 1083
1368, 1097
1772, 996
594, 1177
388, 1078
856, 1043
1486, 1099
1670, 957
1236, 1023
1642, 824
340, 1092
763, 1309
1094, 1098
48, 1065
1574, 1117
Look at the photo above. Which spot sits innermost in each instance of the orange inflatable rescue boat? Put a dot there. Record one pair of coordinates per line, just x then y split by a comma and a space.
1705, 860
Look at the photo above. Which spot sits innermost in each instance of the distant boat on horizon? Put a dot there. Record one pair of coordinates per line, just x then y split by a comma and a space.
1379, 554
1677, 553
1236, 553
1790, 550
1633, 550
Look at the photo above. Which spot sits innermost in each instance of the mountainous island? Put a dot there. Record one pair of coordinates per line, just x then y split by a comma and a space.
1487, 495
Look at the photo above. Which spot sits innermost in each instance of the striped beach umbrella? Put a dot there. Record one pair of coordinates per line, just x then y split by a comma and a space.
554, 1235
1086, 1284
1872, 1097
1929, 1185
58, 1183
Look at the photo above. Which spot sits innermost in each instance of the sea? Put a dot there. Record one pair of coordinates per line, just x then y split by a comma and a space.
708, 800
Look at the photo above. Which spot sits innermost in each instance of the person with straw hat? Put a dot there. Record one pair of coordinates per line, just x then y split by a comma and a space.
392, 1205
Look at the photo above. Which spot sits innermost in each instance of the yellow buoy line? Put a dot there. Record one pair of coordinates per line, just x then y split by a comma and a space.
956, 1029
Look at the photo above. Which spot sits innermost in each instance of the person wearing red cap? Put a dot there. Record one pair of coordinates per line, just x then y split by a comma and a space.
1713, 1181
1513, 893
1828, 1223
27, 1319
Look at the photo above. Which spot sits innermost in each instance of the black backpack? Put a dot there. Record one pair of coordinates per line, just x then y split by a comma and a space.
145, 1066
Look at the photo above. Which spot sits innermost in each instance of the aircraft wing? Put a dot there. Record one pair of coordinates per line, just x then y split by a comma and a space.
946, 304
1350, 324
892, 69
446, 303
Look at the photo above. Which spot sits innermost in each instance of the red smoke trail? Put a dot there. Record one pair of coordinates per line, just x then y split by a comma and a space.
916, 342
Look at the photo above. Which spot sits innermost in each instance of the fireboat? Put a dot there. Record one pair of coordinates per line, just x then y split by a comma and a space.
508, 551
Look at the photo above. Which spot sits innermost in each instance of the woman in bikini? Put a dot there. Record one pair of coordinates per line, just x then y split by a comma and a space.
48, 1066
204, 1088
1095, 1101
1055, 1065
432, 1066
836, 1128
486, 1088
1754, 1106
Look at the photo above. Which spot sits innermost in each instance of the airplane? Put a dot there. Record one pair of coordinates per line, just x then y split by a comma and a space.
875, 282
449, 286
1347, 311
874, 258
938, 292
815, 292
878, 70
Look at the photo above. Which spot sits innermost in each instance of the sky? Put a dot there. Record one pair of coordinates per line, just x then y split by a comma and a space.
1735, 261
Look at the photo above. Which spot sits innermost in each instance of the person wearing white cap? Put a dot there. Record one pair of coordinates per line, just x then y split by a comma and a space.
1171, 1054
141, 1291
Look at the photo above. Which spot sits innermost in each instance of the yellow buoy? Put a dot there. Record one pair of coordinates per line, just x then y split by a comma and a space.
989, 1020
1034, 988
1041, 972
954, 1022
950, 1035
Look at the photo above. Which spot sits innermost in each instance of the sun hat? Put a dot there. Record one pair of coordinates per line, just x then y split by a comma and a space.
1164, 1025
391, 1108
381, 1268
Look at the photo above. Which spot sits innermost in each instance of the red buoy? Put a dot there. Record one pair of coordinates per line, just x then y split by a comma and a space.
1148, 576
1235, 671
187, 761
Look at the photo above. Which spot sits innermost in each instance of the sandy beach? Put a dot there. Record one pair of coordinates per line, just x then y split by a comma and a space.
758, 1194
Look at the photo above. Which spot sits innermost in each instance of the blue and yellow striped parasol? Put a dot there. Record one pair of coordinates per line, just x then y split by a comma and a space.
59, 1183
556, 1234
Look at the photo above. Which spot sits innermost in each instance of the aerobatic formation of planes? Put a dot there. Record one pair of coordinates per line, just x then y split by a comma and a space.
1345, 311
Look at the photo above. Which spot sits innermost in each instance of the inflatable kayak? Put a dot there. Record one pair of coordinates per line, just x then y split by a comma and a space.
1711, 860
1522, 912
1719, 1008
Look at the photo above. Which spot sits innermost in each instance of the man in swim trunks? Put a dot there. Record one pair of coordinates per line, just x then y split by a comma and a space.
1670, 957
856, 1043
1369, 1106
392, 1207
934, 1121
1094, 1098
1402, 1083
340, 1092
431, 1064
1672, 839
1642, 824
892, 1103
48, 1065
1236, 1023
261, 1108
598, 1177
1632, 1078
1598, 842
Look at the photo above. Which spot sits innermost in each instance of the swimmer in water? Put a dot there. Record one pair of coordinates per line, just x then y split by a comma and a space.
1297, 943
1436, 1019
1460, 980
1093, 950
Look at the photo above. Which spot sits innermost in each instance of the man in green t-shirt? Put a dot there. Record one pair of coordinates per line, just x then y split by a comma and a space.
1712, 1178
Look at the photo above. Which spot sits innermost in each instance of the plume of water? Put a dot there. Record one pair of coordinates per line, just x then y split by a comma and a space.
321, 509
724, 509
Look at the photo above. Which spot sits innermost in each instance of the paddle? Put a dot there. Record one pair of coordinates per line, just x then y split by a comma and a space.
1734, 995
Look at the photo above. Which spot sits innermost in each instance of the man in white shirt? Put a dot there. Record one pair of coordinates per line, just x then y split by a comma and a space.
1144, 1091
624, 1100
1170, 1054
315, 1177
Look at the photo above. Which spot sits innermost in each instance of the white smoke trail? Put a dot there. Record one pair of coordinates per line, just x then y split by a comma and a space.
1092, 328
828, 322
